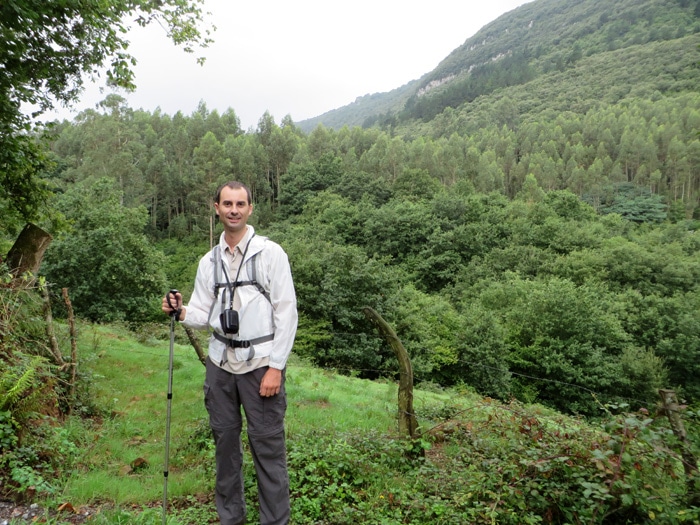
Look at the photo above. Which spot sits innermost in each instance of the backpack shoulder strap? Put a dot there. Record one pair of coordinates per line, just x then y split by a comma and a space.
216, 261
253, 273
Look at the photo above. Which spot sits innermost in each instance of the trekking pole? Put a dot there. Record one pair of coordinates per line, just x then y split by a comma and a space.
175, 313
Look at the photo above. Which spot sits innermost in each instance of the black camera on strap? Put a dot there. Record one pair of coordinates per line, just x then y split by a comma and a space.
229, 321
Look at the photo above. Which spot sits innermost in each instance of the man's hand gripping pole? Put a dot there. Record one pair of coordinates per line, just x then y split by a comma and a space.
174, 310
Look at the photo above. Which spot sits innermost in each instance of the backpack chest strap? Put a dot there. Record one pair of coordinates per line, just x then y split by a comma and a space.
237, 343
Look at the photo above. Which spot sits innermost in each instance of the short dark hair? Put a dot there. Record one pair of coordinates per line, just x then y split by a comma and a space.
234, 185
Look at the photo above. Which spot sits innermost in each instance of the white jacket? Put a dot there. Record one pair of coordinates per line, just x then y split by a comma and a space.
258, 317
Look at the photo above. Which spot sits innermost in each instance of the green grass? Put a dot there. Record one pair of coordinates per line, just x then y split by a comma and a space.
478, 461
130, 381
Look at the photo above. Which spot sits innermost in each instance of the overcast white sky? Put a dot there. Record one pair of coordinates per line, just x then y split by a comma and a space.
298, 57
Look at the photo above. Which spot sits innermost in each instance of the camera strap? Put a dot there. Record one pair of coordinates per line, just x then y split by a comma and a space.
232, 287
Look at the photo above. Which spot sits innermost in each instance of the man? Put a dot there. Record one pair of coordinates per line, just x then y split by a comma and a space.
246, 363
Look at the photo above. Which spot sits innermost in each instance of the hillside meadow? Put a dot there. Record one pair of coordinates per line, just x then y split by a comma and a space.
476, 461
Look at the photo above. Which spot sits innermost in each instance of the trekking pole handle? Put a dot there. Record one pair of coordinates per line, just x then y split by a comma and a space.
175, 311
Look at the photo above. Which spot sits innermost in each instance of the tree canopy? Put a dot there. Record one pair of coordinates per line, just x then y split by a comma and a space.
47, 50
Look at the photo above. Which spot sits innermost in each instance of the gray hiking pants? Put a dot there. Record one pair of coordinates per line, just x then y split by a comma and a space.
224, 394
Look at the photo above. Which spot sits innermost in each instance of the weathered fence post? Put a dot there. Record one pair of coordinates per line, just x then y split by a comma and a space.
28, 250
195, 344
690, 464
407, 419
73, 344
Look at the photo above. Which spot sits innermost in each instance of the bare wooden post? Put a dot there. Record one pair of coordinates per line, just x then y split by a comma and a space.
690, 464
407, 419
195, 344
28, 250
73, 345
50, 333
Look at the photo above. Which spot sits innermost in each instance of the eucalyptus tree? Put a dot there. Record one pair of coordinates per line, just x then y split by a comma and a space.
177, 148
210, 168
156, 172
282, 147
321, 141
490, 176
113, 147
452, 159
386, 157
358, 139
247, 155
421, 153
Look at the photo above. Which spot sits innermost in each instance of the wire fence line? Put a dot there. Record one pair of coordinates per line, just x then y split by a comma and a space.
417, 376
435, 424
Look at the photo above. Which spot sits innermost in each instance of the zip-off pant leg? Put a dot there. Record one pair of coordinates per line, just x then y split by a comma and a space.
265, 418
224, 394
269, 456
223, 405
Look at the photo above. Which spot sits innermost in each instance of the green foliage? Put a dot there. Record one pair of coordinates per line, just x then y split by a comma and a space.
20, 385
40, 462
107, 264
33, 448
97, 39
482, 364
571, 340
324, 478
512, 70
334, 282
181, 261
635, 204
360, 186
8, 431
23, 194
430, 328
670, 326
449, 227
534, 299
479, 461
516, 466
303, 181
521, 246
312, 334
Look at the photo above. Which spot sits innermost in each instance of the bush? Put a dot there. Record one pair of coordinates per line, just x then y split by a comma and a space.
111, 270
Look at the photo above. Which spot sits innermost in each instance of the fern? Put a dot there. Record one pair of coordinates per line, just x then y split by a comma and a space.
19, 386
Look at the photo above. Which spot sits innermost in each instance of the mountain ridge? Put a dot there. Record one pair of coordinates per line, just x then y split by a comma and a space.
526, 43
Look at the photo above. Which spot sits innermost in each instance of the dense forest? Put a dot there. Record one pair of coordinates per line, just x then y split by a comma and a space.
528, 226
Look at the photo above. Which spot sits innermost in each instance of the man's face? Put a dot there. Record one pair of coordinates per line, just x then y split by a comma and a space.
233, 209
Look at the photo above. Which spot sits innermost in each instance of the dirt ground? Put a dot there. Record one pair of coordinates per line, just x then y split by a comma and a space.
34, 513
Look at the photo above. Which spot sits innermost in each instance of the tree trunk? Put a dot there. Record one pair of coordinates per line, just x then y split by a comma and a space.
407, 418
26, 254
